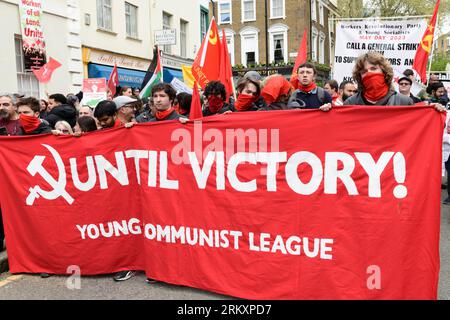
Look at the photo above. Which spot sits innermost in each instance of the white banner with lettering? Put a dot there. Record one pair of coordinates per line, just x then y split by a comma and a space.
397, 40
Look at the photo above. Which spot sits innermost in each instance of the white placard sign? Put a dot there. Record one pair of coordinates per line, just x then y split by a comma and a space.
180, 86
397, 40
166, 37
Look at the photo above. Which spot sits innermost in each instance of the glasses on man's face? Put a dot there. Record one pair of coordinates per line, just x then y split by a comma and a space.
5, 104
403, 84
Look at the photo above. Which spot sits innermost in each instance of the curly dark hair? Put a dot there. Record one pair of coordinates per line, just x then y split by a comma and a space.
374, 58
215, 88
167, 88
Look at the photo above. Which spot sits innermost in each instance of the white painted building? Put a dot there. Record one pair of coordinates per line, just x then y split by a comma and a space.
89, 36
123, 32
61, 31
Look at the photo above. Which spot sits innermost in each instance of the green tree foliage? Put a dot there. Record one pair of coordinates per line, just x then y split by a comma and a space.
440, 62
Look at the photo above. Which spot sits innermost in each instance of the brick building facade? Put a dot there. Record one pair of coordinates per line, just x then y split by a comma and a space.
244, 23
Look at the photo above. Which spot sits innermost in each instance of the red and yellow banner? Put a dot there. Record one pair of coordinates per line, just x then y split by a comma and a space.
338, 205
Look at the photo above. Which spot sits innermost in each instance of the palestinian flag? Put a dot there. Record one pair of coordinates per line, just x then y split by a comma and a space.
153, 76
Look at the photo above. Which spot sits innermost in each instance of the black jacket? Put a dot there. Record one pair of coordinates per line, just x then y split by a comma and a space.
63, 112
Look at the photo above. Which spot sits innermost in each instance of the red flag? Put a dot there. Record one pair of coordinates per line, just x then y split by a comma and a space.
423, 51
196, 106
226, 74
44, 74
113, 81
301, 58
206, 66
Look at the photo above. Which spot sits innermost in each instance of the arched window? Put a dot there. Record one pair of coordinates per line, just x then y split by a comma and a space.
249, 46
278, 43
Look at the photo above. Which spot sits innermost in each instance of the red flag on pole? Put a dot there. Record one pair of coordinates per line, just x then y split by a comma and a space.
301, 58
113, 81
206, 66
424, 49
226, 74
196, 106
44, 74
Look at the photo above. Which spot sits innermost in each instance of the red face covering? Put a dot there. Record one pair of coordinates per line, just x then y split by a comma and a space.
215, 103
375, 86
307, 88
29, 123
161, 115
244, 101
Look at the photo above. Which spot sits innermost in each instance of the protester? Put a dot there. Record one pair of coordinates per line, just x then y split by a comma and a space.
164, 95
216, 97
126, 91
30, 124
184, 104
410, 74
256, 77
85, 111
404, 87
276, 93
136, 92
62, 128
85, 124
438, 94
126, 108
148, 112
249, 92
346, 90
73, 101
374, 74
106, 115
60, 110
332, 87
308, 95
44, 109
8, 114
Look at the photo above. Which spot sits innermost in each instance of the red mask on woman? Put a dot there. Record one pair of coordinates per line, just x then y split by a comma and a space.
375, 86
244, 101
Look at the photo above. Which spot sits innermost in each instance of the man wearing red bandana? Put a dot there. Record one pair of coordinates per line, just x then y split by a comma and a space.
249, 91
164, 95
308, 95
28, 110
374, 75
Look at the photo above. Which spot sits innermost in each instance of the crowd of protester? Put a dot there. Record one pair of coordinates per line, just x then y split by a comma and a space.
64, 114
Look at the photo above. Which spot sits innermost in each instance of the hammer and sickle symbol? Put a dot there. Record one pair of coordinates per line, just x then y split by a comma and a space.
59, 186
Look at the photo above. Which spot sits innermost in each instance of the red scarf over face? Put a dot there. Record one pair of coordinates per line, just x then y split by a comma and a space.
244, 102
29, 123
307, 88
274, 88
161, 115
375, 86
215, 104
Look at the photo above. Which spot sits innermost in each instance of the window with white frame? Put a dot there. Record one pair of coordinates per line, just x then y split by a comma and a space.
314, 44
277, 9
321, 17
203, 22
313, 10
104, 14
27, 83
167, 22
249, 46
183, 37
225, 12
131, 18
322, 48
278, 43
229, 34
248, 10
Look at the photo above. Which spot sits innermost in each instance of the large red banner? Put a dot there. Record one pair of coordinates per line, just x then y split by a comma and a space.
296, 204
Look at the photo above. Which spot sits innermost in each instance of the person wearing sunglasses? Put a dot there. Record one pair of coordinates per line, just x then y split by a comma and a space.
404, 87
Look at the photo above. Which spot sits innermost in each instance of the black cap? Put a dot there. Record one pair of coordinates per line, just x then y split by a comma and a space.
405, 78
